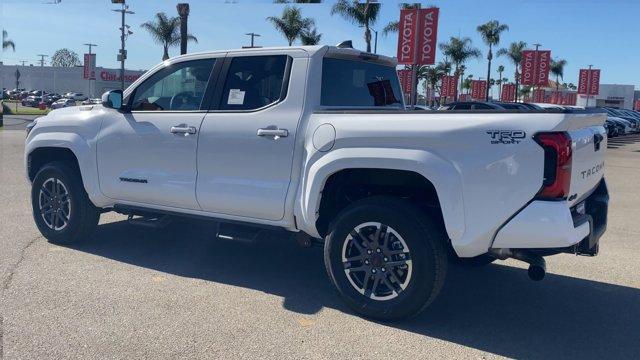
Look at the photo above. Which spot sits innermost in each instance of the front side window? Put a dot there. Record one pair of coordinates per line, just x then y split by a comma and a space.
253, 82
178, 87
355, 83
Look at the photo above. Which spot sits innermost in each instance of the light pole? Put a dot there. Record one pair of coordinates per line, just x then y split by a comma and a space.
91, 69
122, 56
42, 56
253, 35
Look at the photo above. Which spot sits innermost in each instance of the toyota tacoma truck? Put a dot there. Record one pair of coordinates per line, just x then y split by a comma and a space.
315, 142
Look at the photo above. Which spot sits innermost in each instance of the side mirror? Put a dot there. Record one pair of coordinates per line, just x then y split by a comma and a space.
112, 99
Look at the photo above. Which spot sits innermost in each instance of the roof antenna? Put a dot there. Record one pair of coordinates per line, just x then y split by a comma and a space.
347, 44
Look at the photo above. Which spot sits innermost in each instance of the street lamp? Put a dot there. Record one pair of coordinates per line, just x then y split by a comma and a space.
122, 56
253, 35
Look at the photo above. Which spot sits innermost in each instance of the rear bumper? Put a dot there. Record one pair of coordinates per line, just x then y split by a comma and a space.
554, 227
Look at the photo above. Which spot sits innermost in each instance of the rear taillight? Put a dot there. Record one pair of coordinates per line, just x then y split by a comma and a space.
557, 165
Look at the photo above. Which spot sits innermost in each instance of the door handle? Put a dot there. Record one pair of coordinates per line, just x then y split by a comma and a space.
276, 133
183, 129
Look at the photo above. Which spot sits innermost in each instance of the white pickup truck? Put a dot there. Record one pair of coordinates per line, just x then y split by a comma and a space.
315, 141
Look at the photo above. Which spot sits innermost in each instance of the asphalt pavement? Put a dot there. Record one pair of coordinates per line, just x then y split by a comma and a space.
178, 292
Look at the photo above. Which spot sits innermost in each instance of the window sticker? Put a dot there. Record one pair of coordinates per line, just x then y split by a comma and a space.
236, 97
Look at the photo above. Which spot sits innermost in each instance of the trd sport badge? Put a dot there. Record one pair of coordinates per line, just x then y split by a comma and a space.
506, 136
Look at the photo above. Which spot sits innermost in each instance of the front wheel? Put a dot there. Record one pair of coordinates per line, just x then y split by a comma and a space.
61, 208
386, 257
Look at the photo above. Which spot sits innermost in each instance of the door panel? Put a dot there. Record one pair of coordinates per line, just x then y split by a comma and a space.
148, 155
241, 172
141, 160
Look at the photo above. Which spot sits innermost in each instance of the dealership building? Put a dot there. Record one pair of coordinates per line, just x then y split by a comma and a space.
612, 95
65, 79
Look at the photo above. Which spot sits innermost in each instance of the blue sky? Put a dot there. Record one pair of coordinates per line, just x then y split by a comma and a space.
598, 32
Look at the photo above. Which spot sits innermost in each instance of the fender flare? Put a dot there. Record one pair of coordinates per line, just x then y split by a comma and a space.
444, 176
80, 149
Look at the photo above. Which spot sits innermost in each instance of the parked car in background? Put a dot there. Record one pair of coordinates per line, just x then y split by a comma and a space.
92, 102
63, 103
76, 96
32, 101
634, 123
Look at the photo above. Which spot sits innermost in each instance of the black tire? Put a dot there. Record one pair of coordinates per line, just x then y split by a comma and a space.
477, 261
83, 216
426, 243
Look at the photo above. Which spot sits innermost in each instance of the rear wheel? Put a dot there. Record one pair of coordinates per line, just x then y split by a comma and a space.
386, 258
61, 208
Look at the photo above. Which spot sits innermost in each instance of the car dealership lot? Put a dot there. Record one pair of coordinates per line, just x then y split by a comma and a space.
177, 292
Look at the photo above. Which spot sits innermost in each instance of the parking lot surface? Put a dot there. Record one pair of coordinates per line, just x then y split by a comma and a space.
178, 292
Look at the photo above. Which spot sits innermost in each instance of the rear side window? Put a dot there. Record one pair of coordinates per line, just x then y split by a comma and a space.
254, 82
359, 83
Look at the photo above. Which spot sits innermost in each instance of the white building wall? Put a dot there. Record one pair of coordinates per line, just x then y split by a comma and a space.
64, 79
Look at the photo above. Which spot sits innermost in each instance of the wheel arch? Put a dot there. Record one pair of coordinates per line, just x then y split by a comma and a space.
71, 148
431, 171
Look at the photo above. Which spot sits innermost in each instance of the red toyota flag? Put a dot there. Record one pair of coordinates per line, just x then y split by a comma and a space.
404, 76
478, 89
583, 82
427, 36
637, 107
527, 66
594, 82
543, 61
538, 96
449, 86
407, 28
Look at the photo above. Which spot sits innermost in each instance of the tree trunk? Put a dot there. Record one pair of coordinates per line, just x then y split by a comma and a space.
489, 57
517, 84
165, 56
183, 12
367, 38
500, 86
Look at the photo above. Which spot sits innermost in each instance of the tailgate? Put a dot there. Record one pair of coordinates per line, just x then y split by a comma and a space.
588, 150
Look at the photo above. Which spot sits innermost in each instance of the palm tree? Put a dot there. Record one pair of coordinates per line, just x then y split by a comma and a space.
466, 84
362, 14
459, 50
310, 37
557, 69
393, 26
499, 81
291, 24
514, 53
166, 32
525, 91
490, 33
432, 76
7, 43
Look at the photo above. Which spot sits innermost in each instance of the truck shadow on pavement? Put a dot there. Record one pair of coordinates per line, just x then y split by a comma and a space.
494, 309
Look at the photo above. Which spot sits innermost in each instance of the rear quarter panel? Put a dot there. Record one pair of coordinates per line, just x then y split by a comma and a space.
485, 166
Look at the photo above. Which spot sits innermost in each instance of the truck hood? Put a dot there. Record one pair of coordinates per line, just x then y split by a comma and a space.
81, 120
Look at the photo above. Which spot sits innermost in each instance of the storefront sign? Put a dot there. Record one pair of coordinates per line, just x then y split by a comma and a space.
110, 76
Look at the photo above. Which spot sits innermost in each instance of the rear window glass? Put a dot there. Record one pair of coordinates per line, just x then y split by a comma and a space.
359, 83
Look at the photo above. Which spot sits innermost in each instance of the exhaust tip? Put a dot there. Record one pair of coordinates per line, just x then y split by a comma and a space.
536, 273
